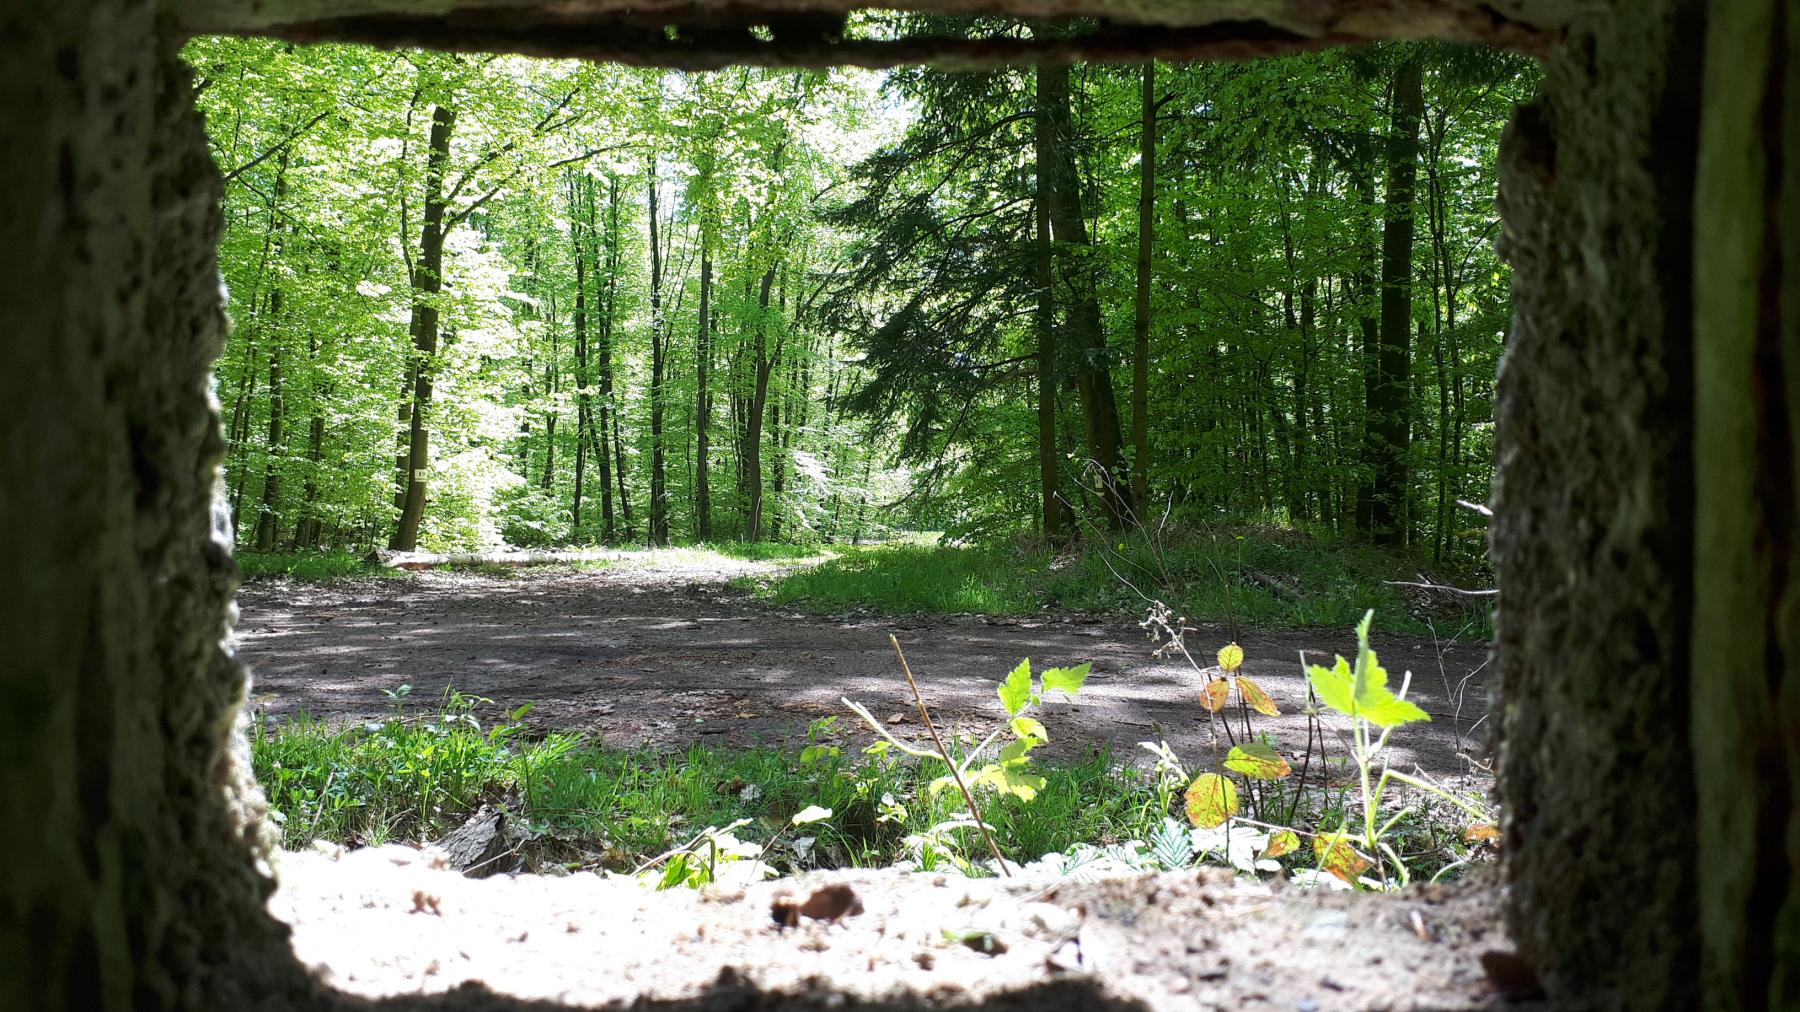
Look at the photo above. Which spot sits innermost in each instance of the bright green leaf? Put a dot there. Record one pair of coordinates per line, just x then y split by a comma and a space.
1030, 727
1015, 692
1067, 680
1257, 761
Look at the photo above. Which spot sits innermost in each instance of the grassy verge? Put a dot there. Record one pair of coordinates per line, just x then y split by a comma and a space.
311, 567
414, 777
1283, 580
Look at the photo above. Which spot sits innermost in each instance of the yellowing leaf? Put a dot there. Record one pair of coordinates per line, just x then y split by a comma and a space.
1211, 799
1009, 779
1068, 680
1483, 833
1231, 657
1015, 692
1257, 761
1215, 694
1285, 842
1256, 697
1339, 858
1030, 727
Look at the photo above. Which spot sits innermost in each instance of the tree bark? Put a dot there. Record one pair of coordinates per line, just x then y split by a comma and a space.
1049, 492
659, 479
1593, 519
1745, 667
1140, 358
136, 875
703, 407
1087, 332
427, 282
1390, 403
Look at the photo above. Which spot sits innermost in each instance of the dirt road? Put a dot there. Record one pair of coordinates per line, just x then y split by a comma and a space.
668, 655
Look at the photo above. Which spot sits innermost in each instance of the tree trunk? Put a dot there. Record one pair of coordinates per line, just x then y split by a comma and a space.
659, 480
267, 527
1592, 536
131, 879
703, 398
1744, 688
1390, 402
427, 282
1140, 359
1049, 493
759, 399
1087, 334
583, 426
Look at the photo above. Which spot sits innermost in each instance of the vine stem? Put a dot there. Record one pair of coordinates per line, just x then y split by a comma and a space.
955, 773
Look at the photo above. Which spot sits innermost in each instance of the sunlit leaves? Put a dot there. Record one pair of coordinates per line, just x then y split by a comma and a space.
1256, 697
1015, 691
1337, 856
1362, 691
1211, 799
1257, 761
1231, 657
1216, 693
1066, 680
1282, 843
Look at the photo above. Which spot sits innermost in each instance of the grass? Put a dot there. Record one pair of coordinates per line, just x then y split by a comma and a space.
1276, 580
311, 567
414, 776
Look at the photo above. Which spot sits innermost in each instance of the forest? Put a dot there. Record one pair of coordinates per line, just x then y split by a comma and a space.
487, 300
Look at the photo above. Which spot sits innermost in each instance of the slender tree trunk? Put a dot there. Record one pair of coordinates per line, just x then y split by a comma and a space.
1093, 373
1392, 402
703, 397
267, 526
582, 379
1140, 360
759, 399
427, 282
1049, 492
659, 480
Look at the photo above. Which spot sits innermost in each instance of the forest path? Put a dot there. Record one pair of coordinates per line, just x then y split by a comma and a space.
669, 655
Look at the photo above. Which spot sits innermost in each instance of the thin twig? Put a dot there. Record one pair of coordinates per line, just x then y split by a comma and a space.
955, 773
1428, 585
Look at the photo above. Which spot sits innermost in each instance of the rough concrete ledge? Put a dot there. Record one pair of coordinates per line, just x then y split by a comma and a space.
390, 924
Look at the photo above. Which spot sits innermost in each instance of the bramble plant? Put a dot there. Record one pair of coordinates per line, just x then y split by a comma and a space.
1010, 772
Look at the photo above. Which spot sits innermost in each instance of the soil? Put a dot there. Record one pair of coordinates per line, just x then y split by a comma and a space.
390, 923
665, 655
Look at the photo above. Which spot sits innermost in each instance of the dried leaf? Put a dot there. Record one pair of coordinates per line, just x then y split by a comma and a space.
1257, 761
1215, 694
1482, 833
1211, 799
1256, 697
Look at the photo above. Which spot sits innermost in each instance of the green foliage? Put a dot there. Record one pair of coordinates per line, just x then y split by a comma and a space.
312, 567
1260, 579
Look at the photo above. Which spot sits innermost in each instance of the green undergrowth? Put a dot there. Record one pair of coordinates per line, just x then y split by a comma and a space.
413, 778
312, 567
418, 774
1281, 580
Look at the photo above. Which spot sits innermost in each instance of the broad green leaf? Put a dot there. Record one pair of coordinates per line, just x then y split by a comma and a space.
1009, 779
1030, 727
1256, 697
1231, 657
1211, 799
811, 813
1015, 751
1333, 686
1068, 680
1216, 693
1015, 692
1389, 710
1282, 843
1257, 761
